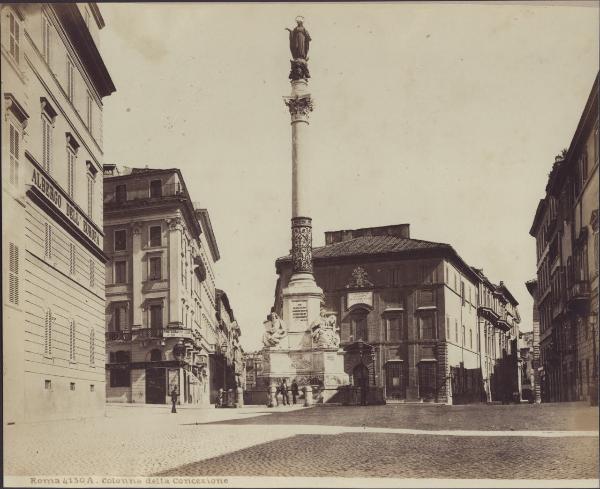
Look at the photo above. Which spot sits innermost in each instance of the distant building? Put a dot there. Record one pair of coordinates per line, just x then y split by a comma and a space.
410, 317
566, 230
227, 361
161, 313
53, 83
527, 366
534, 353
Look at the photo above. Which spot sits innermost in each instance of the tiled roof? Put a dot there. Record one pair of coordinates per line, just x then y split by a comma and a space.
372, 245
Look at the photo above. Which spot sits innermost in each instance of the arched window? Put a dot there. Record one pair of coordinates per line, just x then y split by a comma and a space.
155, 355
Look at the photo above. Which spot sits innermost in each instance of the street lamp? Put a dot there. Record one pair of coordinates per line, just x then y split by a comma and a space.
223, 352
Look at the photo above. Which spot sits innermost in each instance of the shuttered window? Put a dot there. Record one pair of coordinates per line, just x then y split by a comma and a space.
72, 340
13, 274
14, 154
70, 172
70, 80
46, 144
92, 346
46, 39
90, 112
90, 195
92, 273
72, 258
48, 240
14, 36
48, 333
155, 266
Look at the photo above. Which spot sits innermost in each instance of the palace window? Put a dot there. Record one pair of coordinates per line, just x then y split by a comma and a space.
14, 136
120, 272
155, 236
121, 193
48, 320
70, 80
72, 332
456, 331
463, 335
120, 240
70, 172
47, 240
156, 188
46, 38
46, 144
156, 316
14, 36
447, 328
427, 327
72, 258
120, 322
154, 272
394, 328
92, 346
89, 112
92, 273
13, 274
471, 339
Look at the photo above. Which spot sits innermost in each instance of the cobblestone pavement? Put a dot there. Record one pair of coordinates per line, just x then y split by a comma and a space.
559, 416
407, 456
325, 441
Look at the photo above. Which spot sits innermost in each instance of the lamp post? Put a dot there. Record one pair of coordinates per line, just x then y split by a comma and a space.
224, 352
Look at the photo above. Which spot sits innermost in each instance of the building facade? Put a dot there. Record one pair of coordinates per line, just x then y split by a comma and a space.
533, 342
53, 83
408, 312
161, 321
565, 227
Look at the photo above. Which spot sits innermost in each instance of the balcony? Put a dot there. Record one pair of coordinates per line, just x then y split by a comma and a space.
578, 293
148, 333
136, 192
487, 313
152, 333
118, 336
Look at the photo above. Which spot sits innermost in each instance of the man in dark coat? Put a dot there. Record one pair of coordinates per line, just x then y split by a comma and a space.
294, 391
284, 392
174, 399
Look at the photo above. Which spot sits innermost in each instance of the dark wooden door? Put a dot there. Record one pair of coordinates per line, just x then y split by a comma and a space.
156, 390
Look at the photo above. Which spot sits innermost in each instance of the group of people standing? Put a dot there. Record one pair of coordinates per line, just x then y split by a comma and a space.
283, 389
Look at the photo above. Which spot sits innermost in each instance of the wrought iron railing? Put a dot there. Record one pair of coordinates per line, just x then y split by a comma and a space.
118, 336
143, 191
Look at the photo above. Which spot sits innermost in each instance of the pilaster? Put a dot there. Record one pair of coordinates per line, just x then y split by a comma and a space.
136, 274
175, 239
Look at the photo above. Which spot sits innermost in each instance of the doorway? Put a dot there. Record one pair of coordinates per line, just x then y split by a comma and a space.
395, 380
156, 391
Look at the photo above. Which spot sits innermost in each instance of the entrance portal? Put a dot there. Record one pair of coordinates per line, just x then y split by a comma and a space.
395, 380
156, 382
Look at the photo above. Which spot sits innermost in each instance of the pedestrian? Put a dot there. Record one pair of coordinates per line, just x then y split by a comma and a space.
219, 400
284, 393
294, 390
174, 399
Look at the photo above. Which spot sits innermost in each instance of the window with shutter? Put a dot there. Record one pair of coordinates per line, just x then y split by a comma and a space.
46, 144
70, 172
90, 192
155, 266
48, 333
120, 276
13, 274
92, 346
72, 340
92, 273
70, 80
13, 36
46, 39
90, 109
48, 240
72, 259
14, 154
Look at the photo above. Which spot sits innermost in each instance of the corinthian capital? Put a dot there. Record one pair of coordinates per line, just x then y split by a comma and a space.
299, 107
175, 224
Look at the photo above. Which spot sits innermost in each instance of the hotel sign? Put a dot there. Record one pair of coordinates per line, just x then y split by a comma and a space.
359, 298
55, 196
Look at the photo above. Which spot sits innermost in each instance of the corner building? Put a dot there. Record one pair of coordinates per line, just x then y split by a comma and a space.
409, 316
53, 84
565, 227
161, 324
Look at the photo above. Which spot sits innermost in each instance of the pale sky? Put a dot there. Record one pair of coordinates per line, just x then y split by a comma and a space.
444, 116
